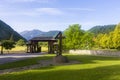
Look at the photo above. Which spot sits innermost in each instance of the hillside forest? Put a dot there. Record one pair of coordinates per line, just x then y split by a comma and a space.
99, 37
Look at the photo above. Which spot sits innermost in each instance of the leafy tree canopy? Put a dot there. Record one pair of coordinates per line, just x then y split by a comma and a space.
21, 42
8, 44
76, 38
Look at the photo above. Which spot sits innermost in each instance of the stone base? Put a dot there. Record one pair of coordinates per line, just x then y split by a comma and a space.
60, 59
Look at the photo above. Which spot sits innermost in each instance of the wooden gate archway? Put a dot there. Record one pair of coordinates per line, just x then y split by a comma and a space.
51, 37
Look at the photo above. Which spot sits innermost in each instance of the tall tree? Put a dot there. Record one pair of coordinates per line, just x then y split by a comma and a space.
87, 40
110, 40
97, 41
116, 37
73, 37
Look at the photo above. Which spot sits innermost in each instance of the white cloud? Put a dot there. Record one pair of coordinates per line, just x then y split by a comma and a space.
31, 12
49, 11
81, 9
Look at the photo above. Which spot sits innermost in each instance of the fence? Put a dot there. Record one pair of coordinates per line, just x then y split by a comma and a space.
95, 52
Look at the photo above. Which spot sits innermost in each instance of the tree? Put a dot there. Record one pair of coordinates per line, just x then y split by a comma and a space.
87, 40
21, 42
73, 36
105, 41
97, 40
116, 37
7, 44
110, 41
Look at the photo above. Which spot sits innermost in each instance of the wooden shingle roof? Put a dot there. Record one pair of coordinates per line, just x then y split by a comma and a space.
48, 36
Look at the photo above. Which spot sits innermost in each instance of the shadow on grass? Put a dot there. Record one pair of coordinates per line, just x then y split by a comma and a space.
86, 59
83, 59
99, 73
25, 62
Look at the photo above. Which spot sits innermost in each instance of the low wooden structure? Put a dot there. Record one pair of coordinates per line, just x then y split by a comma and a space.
51, 37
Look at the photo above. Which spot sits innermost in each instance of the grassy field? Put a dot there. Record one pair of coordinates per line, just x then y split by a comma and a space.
89, 68
22, 49
25, 62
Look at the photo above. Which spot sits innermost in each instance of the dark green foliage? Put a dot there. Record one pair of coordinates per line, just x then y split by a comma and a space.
21, 42
8, 44
6, 32
102, 29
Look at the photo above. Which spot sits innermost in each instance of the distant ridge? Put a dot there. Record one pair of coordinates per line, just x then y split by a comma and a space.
102, 29
30, 34
96, 30
35, 33
6, 32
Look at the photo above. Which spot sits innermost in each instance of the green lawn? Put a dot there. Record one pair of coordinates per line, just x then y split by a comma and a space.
90, 68
26, 62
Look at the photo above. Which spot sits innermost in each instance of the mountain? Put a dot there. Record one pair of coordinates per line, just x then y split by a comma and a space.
30, 34
34, 33
102, 29
6, 32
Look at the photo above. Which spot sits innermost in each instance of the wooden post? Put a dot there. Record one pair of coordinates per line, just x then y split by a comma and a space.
50, 47
27, 47
60, 44
1, 49
37, 47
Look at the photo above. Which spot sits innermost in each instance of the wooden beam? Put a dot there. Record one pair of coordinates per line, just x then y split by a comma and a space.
60, 44
1, 49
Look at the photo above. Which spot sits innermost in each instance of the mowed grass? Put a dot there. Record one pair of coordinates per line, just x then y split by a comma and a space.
26, 62
89, 68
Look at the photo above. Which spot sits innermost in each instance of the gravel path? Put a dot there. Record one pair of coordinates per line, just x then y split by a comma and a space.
6, 58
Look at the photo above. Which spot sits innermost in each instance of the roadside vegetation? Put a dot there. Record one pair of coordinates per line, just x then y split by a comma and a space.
18, 47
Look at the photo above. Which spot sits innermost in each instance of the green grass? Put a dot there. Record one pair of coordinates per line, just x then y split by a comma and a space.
90, 68
22, 63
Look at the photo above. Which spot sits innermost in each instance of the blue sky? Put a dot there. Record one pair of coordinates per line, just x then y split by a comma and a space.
48, 15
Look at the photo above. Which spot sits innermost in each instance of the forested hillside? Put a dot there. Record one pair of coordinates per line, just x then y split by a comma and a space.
6, 32
102, 29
